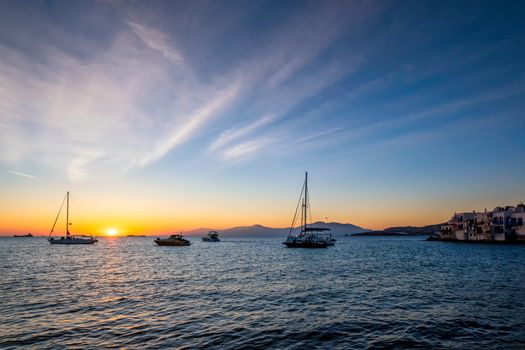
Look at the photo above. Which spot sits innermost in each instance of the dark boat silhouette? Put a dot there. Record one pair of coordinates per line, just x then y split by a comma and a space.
69, 238
173, 240
212, 236
309, 237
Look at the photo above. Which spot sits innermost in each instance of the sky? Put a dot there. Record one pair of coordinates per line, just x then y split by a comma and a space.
167, 116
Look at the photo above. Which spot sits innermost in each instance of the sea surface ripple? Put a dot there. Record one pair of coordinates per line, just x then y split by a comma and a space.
363, 293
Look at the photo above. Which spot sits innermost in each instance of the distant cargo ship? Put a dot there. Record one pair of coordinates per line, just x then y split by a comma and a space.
503, 224
26, 235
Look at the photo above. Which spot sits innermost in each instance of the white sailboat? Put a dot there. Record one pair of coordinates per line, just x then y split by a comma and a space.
309, 237
69, 238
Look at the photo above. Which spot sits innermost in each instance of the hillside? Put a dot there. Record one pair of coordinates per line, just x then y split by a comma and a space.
403, 231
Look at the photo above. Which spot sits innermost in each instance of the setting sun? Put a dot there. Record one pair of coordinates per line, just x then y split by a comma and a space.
111, 232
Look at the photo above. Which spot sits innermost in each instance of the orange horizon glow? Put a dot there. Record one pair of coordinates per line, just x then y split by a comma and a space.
162, 226
151, 213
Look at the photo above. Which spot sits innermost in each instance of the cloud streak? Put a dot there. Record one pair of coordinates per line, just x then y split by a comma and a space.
245, 150
157, 41
235, 133
22, 174
196, 120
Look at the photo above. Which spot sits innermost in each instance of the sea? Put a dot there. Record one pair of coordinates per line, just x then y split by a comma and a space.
362, 293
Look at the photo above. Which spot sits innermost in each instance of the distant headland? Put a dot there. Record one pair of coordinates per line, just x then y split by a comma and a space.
403, 231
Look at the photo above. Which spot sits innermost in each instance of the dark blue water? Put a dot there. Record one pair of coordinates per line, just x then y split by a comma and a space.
364, 293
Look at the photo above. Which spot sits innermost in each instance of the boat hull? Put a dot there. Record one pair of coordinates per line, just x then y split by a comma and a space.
305, 244
73, 241
208, 239
172, 243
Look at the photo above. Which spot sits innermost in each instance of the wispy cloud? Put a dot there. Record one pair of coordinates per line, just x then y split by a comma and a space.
277, 103
157, 41
237, 132
319, 134
78, 167
196, 119
75, 105
22, 174
96, 114
133, 100
419, 137
245, 150
442, 110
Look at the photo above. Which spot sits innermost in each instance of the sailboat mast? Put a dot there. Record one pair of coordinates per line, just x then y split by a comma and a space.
67, 215
305, 198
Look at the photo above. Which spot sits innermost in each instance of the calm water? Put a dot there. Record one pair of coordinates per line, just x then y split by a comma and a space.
365, 292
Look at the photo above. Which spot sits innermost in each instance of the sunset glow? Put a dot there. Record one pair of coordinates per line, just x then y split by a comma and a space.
111, 232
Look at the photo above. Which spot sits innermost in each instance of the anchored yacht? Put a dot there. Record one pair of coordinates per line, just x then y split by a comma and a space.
173, 240
308, 237
69, 238
212, 236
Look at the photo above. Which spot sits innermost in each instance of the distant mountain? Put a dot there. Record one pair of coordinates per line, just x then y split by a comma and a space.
253, 231
338, 229
404, 231
242, 231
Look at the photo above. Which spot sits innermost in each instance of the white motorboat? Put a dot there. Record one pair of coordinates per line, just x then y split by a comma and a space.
212, 236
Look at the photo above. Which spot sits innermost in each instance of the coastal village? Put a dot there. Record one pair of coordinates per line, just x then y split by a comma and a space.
503, 224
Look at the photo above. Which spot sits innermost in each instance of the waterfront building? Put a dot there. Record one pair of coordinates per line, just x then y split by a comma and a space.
503, 224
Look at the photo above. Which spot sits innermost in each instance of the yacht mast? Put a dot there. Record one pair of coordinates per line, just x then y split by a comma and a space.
67, 215
305, 198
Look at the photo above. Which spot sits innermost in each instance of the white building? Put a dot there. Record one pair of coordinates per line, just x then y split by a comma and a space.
500, 225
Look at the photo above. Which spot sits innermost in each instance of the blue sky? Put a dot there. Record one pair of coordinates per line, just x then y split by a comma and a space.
403, 112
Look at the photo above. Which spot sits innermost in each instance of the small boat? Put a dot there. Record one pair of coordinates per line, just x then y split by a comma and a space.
173, 240
69, 238
26, 235
309, 237
212, 236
